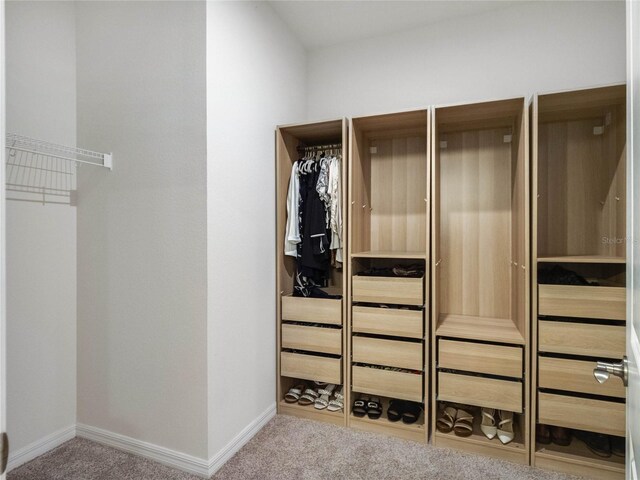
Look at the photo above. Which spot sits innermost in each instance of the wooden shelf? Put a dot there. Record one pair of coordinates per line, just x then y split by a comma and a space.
582, 259
513, 451
414, 431
311, 413
489, 329
390, 254
576, 458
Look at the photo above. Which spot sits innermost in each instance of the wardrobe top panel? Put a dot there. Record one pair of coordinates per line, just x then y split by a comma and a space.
580, 104
392, 121
475, 116
315, 132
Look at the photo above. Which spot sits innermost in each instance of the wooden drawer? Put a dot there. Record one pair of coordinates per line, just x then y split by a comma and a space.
391, 353
582, 301
582, 413
480, 391
312, 310
400, 291
313, 339
480, 358
576, 376
407, 386
311, 367
587, 339
388, 321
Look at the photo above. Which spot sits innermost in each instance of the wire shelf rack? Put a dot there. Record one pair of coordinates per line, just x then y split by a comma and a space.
44, 172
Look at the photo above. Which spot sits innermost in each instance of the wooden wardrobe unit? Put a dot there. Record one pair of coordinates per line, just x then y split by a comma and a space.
579, 183
311, 339
480, 272
389, 226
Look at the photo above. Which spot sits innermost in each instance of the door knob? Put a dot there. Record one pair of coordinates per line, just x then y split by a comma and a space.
604, 370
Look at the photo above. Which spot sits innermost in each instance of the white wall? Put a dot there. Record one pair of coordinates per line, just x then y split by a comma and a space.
41, 239
142, 311
519, 50
255, 80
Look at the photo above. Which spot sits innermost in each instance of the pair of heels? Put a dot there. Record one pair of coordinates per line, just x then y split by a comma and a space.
503, 428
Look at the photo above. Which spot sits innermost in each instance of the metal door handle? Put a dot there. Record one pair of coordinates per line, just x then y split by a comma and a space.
605, 369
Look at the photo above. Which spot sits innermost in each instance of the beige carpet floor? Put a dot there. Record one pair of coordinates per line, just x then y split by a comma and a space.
288, 448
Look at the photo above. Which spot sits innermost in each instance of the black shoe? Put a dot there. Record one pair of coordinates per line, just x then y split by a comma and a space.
598, 443
618, 446
411, 412
396, 410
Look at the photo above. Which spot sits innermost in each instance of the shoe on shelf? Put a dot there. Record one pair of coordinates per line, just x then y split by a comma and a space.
598, 443
543, 434
325, 393
505, 426
396, 410
337, 402
488, 425
374, 408
308, 397
618, 446
411, 412
293, 395
447, 419
464, 423
561, 436
360, 406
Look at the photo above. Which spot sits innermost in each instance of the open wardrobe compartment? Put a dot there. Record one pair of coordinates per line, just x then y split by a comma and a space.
480, 278
579, 280
311, 276
389, 237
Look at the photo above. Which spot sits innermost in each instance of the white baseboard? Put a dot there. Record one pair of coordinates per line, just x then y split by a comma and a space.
166, 456
40, 447
231, 448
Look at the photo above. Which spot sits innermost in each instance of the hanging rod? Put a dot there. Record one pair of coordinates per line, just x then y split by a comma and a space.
73, 154
332, 146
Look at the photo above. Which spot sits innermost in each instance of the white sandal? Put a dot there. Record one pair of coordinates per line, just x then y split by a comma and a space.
488, 425
322, 402
505, 426
293, 395
337, 402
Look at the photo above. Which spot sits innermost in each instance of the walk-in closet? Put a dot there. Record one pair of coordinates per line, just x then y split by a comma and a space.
283, 240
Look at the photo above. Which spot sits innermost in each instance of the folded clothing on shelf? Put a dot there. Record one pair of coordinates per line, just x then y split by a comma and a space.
410, 271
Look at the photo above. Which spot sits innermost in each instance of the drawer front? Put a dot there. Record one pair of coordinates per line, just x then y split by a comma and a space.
390, 353
581, 339
576, 376
388, 321
311, 367
582, 413
407, 386
400, 291
480, 358
582, 301
313, 339
312, 310
480, 391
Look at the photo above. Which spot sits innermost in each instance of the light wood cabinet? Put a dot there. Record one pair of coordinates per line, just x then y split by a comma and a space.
387, 383
392, 353
578, 230
480, 275
311, 334
402, 291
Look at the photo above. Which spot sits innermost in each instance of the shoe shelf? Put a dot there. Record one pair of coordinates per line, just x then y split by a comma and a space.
576, 458
582, 259
472, 327
414, 431
390, 254
514, 451
311, 413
